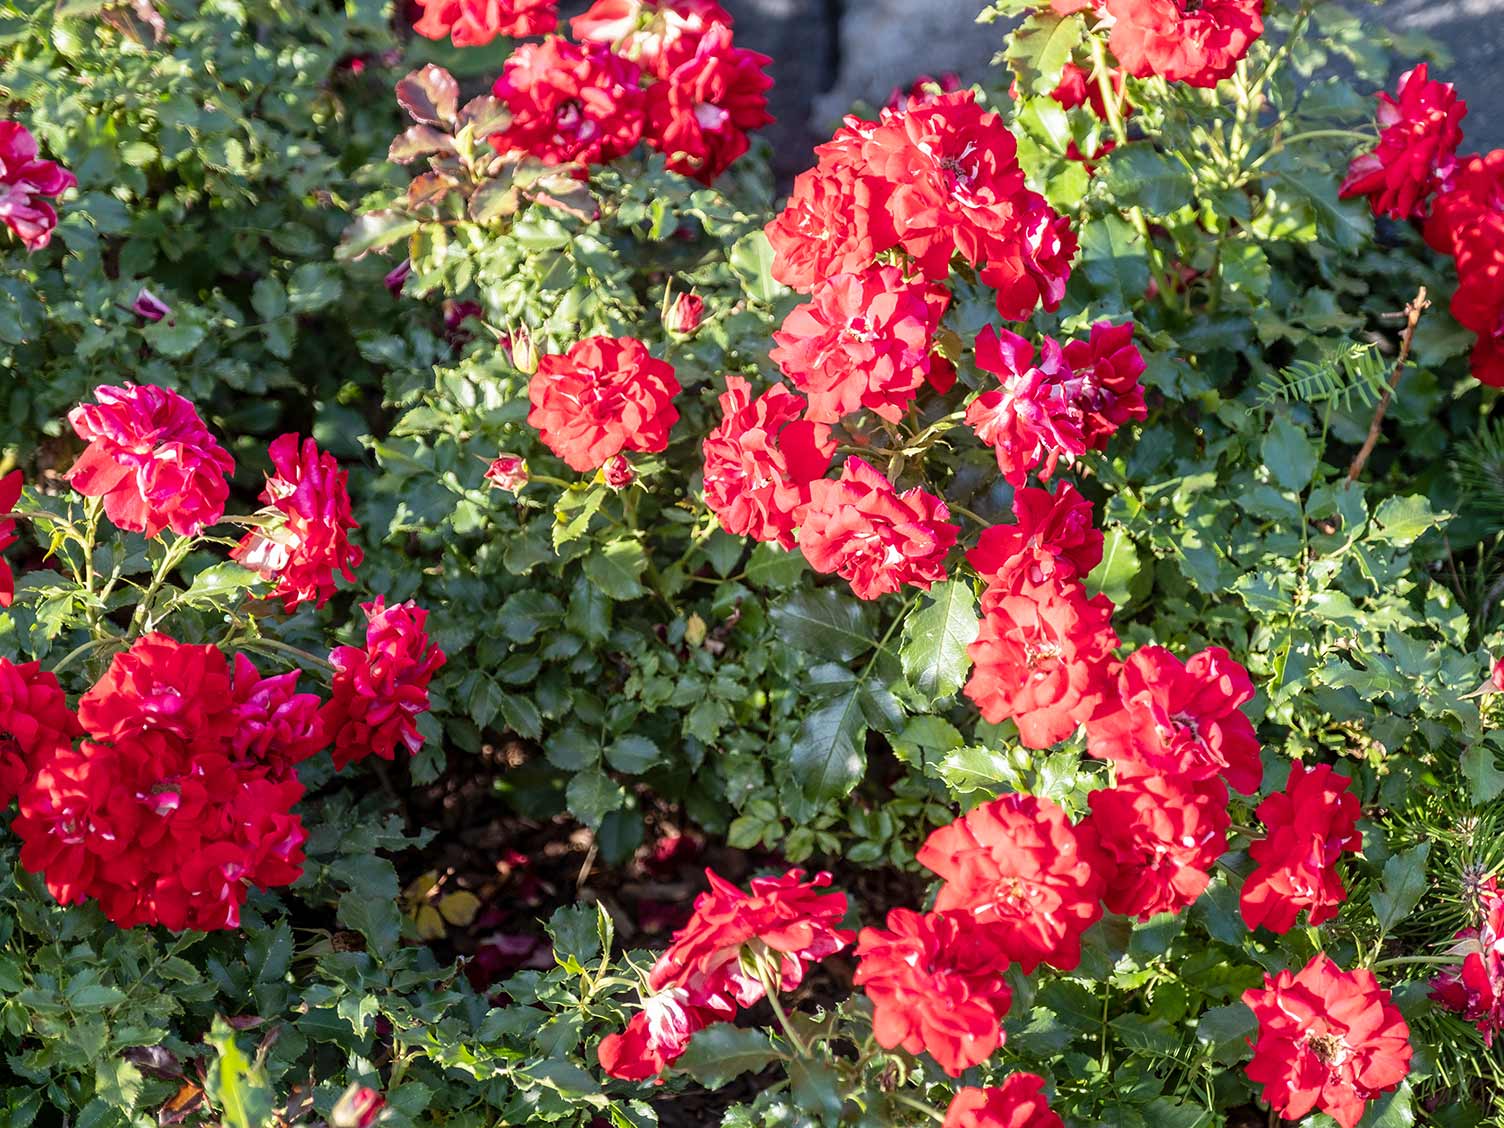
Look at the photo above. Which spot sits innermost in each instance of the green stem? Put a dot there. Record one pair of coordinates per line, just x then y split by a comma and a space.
1311, 135
770, 989
78, 652
1397, 961
273, 648
175, 555
918, 1106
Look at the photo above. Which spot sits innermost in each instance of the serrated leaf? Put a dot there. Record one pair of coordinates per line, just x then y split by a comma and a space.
616, 569
592, 795
1040, 47
418, 141
935, 639
373, 231
237, 1088
827, 622
720, 1053
430, 95
1485, 778
752, 260
1402, 520
1289, 454
1141, 174
1114, 576
632, 754
1224, 1031
1404, 885
828, 758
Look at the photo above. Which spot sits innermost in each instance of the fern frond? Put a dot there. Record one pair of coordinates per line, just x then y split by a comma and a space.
1350, 375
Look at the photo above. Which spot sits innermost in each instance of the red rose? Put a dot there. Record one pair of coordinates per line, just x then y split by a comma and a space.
1199, 45
658, 35
23, 180
1104, 385
380, 690
308, 540
1018, 1103
1032, 418
700, 113
474, 23
1420, 129
705, 974
861, 341
161, 685
10, 496
1018, 862
836, 220
1474, 988
1327, 1039
760, 461
1163, 835
152, 460
1478, 301
935, 982
1054, 534
1042, 656
863, 530
655, 1036
618, 473
569, 103
274, 724
1182, 719
1079, 87
507, 472
1032, 267
604, 396
1472, 194
1308, 826
35, 723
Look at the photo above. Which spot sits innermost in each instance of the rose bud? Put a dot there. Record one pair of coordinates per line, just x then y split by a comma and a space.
683, 315
1497, 678
395, 278
507, 472
147, 305
524, 352
618, 472
360, 1107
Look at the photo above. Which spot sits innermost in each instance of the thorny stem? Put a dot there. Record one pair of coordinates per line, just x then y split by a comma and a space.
1310, 135
1417, 306
283, 649
1396, 961
175, 555
770, 989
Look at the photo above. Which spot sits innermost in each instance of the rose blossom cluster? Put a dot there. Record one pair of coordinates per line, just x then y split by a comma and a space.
25, 183
1474, 988
169, 793
667, 72
1414, 172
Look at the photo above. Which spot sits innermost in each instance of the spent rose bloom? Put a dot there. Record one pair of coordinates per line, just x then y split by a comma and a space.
1019, 862
380, 690
760, 461
1033, 417
699, 113
862, 529
1420, 129
1042, 657
24, 180
1308, 827
10, 497
35, 722
922, 91
152, 460
935, 982
1162, 835
861, 341
474, 23
658, 34
308, 537
1181, 719
1053, 534
1198, 44
604, 396
1474, 988
1018, 1103
783, 924
1328, 1039
569, 103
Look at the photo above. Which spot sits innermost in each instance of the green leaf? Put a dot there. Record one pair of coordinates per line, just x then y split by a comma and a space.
1404, 885
1392, 1110
592, 795
720, 1053
827, 622
632, 754
1040, 47
218, 585
974, 768
752, 260
829, 758
174, 338
373, 231
117, 1082
616, 569
1141, 174
1401, 520
935, 639
1114, 576
312, 286
1481, 767
1224, 1032
1289, 454
238, 1088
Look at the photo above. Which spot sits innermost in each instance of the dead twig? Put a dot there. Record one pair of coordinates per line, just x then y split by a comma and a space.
1417, 306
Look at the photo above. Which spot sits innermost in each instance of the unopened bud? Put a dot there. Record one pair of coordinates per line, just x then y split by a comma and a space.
683, 315
524, 352
360, 1107
618, 472
507, 472
149, 306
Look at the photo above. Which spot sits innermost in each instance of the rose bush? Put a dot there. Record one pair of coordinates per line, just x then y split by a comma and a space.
1046, 563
